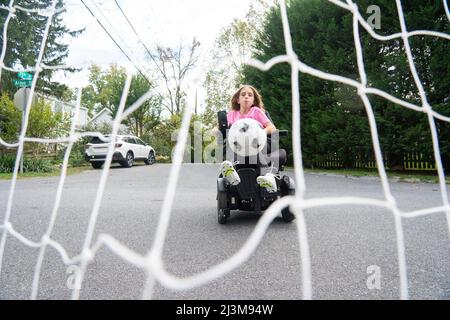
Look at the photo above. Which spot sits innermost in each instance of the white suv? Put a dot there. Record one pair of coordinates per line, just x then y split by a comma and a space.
127, 149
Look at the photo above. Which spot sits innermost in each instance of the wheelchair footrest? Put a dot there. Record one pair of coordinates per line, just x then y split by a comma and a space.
248, 187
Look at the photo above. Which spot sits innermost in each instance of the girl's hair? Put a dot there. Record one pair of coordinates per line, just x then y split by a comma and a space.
258, 99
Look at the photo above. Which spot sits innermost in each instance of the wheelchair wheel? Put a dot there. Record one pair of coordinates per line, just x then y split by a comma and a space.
222, 207
286, 213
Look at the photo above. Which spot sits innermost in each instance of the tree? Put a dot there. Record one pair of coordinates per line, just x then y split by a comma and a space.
173, 65
24, 36
105, 91
219, 84
233, 47
333, 118
42, 123
105, 88
143, 121
405, 131
10, 120
321, 36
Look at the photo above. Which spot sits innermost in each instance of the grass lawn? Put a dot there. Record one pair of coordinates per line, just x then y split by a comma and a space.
409, 176
56, 172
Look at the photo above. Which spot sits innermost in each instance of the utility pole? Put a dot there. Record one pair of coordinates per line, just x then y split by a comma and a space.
195, 101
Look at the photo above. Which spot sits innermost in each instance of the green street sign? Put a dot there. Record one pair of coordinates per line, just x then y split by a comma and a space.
22, 83
25, 76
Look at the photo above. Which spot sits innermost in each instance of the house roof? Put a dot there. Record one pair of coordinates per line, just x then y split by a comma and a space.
104, 110
54, 99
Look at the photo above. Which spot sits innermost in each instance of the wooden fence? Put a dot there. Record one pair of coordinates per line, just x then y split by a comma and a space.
50, 152
411, 161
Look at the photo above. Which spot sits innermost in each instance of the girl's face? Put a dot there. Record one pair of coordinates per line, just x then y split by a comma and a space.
246, 97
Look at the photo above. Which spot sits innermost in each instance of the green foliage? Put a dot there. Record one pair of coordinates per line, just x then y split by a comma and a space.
10, 119
164, 139
24, 37
219, 87
7, 163
42, 122
105, 91
163, 136
143, 120
333, 117
76, 157
233, 47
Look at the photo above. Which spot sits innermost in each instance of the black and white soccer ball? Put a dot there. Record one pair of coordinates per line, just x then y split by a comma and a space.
246, 137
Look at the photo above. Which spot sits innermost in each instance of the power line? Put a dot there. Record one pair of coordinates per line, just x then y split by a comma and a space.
98, 21
140, 40
117, 33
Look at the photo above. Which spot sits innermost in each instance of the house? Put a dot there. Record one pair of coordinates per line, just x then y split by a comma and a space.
68, 108
104, 117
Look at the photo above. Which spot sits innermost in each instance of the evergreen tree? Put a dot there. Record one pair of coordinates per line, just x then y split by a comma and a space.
333, 118
24, 36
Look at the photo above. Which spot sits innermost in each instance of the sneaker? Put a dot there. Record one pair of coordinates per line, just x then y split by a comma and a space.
268, 182
229, 173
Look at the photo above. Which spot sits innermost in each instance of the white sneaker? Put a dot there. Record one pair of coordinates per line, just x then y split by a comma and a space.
268, 182
229, 173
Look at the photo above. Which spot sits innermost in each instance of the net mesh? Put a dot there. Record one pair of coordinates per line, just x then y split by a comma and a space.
152, 262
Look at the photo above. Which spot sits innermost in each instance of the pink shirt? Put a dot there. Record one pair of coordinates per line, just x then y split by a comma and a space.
254, 113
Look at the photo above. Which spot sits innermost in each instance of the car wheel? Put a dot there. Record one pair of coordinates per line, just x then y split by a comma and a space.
222, 207
128, 163
97, 164
150, 159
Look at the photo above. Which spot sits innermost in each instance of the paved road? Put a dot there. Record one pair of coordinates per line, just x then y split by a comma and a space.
344, 240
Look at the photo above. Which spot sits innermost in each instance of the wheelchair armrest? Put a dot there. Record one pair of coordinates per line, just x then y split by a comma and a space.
283, 133
280, 133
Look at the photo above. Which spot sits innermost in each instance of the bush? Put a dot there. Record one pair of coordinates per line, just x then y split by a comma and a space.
7, 163
76, 158
37, 165
162, 137
10, 119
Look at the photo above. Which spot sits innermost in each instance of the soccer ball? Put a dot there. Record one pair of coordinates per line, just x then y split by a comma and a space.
246, 137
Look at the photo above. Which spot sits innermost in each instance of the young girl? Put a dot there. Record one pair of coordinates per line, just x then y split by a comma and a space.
247, 103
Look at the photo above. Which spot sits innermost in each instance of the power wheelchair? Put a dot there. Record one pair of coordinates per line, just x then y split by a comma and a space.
247, 195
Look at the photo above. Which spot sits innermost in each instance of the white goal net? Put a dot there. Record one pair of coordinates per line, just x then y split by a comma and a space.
151, 262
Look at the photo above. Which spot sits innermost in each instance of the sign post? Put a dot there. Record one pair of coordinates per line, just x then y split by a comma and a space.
20, 101
21, 98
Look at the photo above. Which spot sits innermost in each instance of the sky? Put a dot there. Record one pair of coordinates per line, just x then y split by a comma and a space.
168, 22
